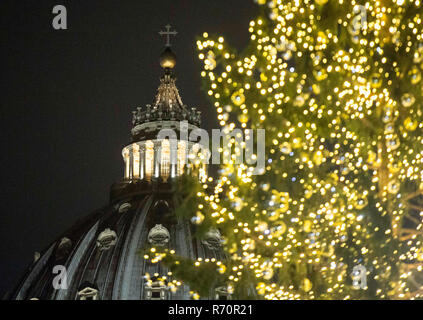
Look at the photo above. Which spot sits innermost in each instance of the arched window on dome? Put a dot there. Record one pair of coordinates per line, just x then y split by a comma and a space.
127, 162
136, 160
182, 149
87, 291
155, 289
64, 248
106, 239
124, 207
212, 239
165, 160
158, 236
149, 159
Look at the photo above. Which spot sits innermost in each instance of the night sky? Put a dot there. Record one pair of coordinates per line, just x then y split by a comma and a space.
67, 97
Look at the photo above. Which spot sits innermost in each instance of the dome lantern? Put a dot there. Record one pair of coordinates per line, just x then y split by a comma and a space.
101, 253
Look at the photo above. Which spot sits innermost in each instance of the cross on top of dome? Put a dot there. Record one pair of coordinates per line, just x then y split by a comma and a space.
168, 33
167, 104
168, 58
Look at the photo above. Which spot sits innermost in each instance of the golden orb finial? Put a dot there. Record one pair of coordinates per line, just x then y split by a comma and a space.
167, 59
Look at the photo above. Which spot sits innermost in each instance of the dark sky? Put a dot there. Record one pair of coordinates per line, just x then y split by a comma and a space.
67, 97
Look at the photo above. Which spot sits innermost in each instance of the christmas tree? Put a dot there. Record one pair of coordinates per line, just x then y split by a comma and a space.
337, 211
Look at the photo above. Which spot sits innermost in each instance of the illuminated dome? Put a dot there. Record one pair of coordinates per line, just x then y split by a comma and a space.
101, 253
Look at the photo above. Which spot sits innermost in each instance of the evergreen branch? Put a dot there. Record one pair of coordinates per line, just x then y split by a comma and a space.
415, 293
411, 231
413, 219
411, 266
407, 237
416, 207
413, 195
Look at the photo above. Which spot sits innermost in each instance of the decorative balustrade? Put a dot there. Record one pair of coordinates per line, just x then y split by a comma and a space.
161, 113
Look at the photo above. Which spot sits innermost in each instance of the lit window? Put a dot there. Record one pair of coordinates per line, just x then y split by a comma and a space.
165, 160
136, 161
126, 159
149, 159
181, 157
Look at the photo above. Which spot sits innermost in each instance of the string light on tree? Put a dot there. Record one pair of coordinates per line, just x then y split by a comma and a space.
338, 99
